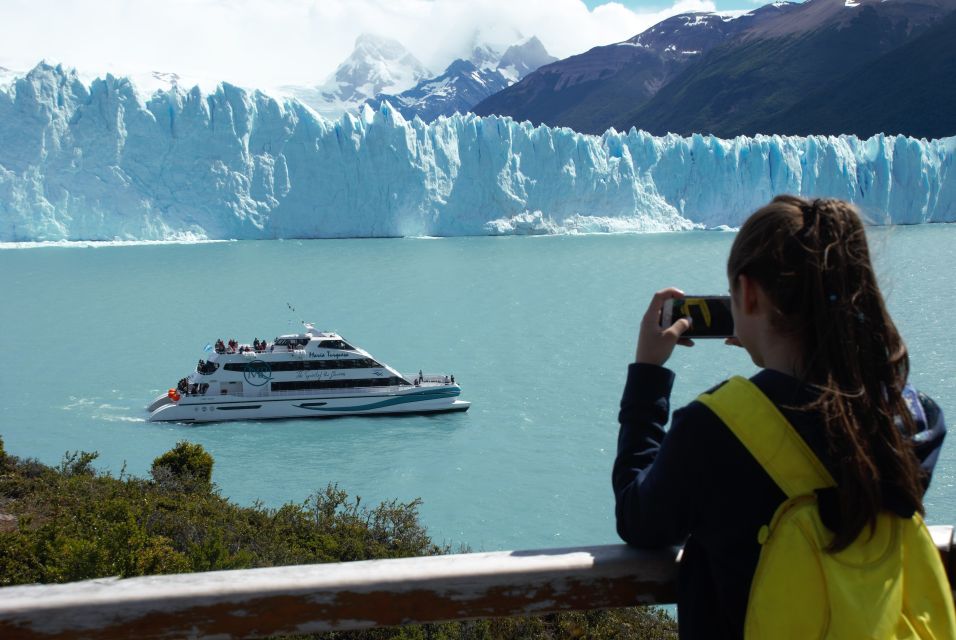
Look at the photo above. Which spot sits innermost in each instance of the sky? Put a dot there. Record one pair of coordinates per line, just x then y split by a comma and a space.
270, 43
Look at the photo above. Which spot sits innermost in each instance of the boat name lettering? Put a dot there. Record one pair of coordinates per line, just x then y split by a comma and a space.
327, 354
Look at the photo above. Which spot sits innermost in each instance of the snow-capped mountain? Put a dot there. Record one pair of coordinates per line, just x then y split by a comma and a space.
465, 83
97, 162
762, 71
485, 56
460, 87
588, 91
521, 59
376, 65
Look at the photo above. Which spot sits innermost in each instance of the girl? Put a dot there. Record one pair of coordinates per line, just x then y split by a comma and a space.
808, 311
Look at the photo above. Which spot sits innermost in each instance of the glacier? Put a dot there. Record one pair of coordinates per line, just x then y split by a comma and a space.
99, 161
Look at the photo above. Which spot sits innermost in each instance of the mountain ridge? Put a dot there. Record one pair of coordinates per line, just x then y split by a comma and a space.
465, 83
768, 69
862, 101
586, 92
740, 79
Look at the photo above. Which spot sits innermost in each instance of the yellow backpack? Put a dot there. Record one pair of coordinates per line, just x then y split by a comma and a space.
888, 586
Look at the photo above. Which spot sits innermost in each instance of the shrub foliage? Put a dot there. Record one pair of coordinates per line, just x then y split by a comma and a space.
74, 523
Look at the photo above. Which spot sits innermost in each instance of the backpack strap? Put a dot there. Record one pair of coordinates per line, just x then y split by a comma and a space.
768, 436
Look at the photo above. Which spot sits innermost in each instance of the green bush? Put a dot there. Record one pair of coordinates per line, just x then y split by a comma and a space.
186, 466
73, 523
78, 463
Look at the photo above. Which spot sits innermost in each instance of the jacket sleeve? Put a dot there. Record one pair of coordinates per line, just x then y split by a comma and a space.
652, 476
930, 431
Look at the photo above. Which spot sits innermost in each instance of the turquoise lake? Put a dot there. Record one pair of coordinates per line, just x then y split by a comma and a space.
538, 331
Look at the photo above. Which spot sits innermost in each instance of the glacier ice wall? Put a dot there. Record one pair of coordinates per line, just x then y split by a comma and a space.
100, 162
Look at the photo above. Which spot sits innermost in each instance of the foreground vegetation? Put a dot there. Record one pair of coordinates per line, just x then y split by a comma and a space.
70, 522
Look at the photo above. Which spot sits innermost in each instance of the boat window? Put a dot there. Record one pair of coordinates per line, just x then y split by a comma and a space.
291, 342
305, 385
337, 344
206, 368
311, 365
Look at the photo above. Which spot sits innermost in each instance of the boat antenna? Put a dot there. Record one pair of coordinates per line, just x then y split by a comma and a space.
308, 325
292, 309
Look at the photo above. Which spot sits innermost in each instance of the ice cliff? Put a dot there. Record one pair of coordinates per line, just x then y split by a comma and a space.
101, 162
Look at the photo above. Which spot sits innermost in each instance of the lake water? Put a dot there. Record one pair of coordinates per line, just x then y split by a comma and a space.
538, 331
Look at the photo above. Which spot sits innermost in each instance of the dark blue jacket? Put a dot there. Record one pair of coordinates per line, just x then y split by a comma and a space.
695, 484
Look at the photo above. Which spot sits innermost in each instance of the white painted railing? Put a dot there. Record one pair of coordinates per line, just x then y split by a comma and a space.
352, 595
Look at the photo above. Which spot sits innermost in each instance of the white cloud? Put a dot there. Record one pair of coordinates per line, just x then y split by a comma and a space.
266, 44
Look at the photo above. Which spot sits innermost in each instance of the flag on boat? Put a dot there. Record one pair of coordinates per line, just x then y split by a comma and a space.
207, 348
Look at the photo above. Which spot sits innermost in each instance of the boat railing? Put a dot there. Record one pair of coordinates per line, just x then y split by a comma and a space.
436, 378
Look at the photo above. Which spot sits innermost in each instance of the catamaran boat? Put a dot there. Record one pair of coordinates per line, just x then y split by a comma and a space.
306, 375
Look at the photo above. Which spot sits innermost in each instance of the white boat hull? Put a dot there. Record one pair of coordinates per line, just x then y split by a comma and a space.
429, 399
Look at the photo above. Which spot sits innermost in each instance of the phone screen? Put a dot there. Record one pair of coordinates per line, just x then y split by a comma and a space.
710, 315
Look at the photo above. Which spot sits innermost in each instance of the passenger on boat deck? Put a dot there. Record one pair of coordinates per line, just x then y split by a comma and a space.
453, 378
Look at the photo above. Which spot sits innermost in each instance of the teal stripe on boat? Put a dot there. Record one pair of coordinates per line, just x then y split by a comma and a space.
415, 397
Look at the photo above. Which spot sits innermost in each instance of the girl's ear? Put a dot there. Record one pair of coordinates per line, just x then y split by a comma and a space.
749, 295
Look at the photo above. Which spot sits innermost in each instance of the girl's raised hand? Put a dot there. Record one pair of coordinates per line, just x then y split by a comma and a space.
655, 343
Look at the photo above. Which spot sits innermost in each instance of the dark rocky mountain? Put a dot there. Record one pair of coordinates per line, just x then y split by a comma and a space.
911, 89
589, 91
465, 83
821, 66
748, 84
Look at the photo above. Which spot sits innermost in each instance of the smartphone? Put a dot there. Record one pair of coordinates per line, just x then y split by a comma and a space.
710, 315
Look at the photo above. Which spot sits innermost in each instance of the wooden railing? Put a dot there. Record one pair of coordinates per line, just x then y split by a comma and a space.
352, 595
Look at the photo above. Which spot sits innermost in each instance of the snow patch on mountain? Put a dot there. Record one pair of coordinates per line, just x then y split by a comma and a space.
376, 65
465, 83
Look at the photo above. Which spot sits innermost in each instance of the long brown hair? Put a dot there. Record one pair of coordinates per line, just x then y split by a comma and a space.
812, 260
